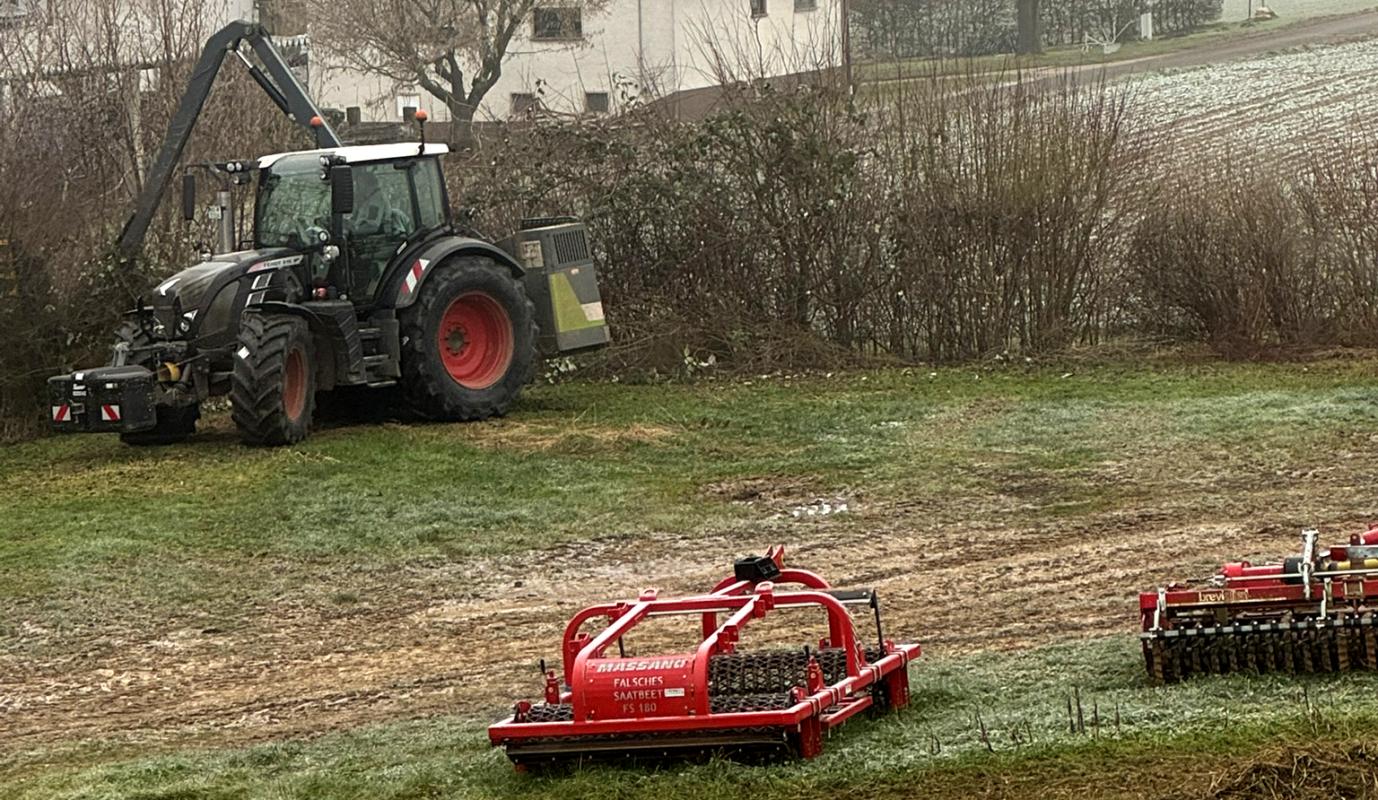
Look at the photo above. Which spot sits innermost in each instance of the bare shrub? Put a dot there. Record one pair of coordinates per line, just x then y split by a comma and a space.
1253, 259
1009, 208
1338, 199
1219, 253
88, 90
945, 219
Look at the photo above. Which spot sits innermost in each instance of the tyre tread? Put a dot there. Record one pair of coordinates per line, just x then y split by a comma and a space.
256, 384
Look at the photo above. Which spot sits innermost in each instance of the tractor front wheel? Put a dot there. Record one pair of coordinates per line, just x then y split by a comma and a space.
469, 341
273, 389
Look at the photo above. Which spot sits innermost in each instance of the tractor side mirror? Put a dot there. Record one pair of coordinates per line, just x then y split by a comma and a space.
188, 197
341, 189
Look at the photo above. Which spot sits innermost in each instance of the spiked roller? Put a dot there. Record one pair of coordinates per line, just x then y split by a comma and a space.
1309, 613
716, 696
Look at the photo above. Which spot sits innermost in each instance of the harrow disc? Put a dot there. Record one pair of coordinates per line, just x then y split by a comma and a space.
1303, 646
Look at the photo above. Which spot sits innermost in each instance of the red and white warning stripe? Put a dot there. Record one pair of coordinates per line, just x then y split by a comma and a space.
110, 413
62, 413
414, 275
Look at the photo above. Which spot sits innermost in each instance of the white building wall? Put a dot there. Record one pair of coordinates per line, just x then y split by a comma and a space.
632, 49
334, 86
656, 47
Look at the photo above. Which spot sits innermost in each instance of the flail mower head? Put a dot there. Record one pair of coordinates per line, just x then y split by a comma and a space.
1310, 613
714, 697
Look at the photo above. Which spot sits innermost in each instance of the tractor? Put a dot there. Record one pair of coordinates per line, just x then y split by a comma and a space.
356, 276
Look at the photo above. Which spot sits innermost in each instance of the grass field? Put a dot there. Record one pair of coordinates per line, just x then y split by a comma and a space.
339, 619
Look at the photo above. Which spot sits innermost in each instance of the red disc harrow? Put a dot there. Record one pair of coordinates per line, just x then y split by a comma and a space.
715, 697
1309, 613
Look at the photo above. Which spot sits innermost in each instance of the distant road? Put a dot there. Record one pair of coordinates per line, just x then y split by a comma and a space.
1315, 31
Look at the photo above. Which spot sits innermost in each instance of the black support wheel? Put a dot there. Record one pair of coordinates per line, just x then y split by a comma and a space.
273, 389
174, 423
469, 341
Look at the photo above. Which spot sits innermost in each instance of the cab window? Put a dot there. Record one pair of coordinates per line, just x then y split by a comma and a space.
430, 193
291, 199
382, 202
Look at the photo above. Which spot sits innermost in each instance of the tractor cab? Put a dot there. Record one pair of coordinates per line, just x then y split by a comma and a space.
395, 197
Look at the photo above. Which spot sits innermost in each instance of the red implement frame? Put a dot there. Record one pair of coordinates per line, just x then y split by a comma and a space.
1324, 600
617, 704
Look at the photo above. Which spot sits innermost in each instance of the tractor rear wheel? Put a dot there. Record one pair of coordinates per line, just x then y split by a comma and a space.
174, 424
469, 341
273, 389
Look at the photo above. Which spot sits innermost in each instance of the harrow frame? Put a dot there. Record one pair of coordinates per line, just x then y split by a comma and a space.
1316, 612
671, 703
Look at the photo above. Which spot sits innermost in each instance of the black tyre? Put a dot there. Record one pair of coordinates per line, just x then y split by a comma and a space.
469, 342
174, 424
273, 389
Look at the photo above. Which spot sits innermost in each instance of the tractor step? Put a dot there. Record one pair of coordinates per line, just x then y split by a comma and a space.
380, 371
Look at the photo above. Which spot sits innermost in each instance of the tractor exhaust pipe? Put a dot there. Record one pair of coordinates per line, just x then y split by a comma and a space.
225, 241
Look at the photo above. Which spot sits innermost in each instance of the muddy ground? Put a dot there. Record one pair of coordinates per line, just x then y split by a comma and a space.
463, 638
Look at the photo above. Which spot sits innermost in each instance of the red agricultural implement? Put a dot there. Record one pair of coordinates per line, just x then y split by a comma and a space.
1310, 613
717, 696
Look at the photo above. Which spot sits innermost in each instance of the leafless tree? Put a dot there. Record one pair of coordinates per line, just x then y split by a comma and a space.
454, 49
1030, 38
86, 91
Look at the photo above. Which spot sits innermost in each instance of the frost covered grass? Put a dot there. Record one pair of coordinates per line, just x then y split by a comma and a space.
152, 531
150, 537
998, 725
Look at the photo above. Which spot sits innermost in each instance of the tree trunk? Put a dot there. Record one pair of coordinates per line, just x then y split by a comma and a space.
1030, 36
461, 122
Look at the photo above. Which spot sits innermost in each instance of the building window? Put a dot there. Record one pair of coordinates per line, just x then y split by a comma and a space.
556, 24
524, 103
12, 11
805, 5
758, 8
596, 102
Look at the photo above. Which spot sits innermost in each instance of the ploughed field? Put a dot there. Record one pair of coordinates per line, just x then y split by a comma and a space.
342, 618
1276, 109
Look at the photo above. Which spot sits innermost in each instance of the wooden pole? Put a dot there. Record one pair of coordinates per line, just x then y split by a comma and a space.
846, 45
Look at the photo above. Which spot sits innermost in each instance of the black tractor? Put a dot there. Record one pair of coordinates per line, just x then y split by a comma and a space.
357, 276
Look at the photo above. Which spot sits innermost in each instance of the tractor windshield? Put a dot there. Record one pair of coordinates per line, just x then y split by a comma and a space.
292, 198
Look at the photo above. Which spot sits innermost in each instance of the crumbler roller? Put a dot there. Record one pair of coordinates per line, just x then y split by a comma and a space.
714, 698
1309, 613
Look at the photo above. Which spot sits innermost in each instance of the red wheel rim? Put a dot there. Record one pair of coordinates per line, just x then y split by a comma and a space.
294, 384
475, 340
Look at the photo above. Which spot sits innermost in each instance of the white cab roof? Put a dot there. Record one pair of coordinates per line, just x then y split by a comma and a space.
359, 154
